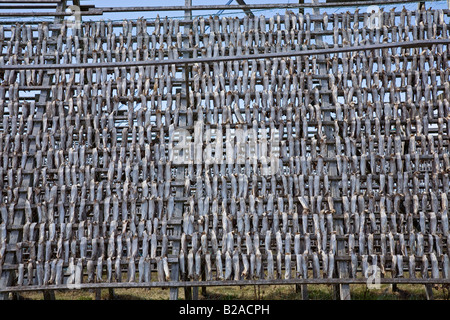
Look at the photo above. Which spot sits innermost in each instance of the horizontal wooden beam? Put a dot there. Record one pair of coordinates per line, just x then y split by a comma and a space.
30, 1
90, 12
253, 6
174, 284
151, 22
246, 8
111, 65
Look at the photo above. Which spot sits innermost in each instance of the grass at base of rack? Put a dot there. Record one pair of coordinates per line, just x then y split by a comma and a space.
264, 292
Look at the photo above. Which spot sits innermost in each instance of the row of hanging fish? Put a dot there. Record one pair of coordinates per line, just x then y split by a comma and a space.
258, 215
238, 32
236, 266
360, 142
24, 45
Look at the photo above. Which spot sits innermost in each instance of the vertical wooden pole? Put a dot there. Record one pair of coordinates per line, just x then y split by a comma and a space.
428, 287
187, 293
203, 279
302, 288
61, 7
111, 294
301, 10
186, 89
195, 293
204, 292
49, 295
342, 290
178, 212
429, 292
16, 235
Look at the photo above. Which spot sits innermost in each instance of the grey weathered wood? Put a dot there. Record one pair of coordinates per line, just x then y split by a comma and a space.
429, 292
344, 289
179, 209
303, 290
30, 1
15, 236
49, 295
172, 284
404, 44
111, 294
358, 172
248, 6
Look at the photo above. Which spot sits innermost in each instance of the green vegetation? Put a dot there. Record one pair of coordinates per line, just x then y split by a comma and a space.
286, 292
